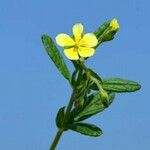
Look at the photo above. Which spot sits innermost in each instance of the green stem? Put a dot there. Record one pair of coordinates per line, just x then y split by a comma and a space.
61, 130
56, 139
66, 118
69, 107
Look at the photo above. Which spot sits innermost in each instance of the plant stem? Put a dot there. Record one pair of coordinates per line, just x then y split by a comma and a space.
61, 130
68, 110
66, 117
56, 139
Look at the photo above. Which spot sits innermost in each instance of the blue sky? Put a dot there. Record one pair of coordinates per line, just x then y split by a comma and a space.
32, 90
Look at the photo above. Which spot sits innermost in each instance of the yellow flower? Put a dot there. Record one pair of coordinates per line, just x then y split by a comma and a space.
79, 45
114, 25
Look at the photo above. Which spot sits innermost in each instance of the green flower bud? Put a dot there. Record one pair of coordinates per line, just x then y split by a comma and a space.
111, 30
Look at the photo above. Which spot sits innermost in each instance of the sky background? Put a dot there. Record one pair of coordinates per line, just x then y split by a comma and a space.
32, 89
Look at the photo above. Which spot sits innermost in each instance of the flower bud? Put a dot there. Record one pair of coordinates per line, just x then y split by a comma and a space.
111, 30
114, 25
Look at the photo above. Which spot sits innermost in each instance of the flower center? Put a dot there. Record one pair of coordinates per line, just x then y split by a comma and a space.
77, 45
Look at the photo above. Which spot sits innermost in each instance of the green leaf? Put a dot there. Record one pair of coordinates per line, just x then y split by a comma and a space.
82, 86
81, 91
86, 129
74, 78
120, 85
60, 117
96, 80
93, 105
95, 75
56, 56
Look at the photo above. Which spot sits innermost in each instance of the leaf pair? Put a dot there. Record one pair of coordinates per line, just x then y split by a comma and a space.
83, 128
93, 105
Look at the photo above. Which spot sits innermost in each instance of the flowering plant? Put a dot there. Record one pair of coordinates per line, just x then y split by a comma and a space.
91, 94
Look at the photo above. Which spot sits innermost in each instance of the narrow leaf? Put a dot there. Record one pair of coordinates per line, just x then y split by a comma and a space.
56, 56
86, 129
60, 117
120, 85
96, 80
93, 105
94, 75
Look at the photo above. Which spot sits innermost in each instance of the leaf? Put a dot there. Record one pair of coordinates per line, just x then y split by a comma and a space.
56, 56
60, 117
120, 85
82, 85
96, 80
81, 91
74, 78
86, 129
95, 75
93, 105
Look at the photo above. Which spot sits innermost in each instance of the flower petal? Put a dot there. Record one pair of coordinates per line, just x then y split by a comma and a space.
77, 31
86, 51
64, 40
71, 53
88, 40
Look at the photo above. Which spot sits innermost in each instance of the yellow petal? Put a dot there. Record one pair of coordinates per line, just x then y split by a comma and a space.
77, 31
88, 40
86, 51
64, 40
71, 53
